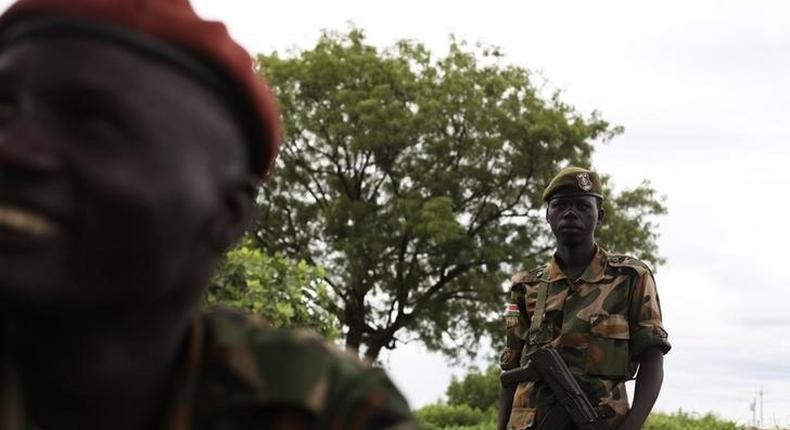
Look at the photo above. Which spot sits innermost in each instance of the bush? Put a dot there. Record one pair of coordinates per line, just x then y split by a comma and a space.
440, 416
284, 292
478, 389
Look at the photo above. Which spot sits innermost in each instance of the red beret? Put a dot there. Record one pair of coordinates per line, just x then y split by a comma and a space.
175, 24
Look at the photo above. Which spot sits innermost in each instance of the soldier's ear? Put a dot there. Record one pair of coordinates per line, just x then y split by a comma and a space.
547, 214
236, 214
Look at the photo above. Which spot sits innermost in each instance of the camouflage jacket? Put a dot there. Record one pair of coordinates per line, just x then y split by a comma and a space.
599, 323
237, 373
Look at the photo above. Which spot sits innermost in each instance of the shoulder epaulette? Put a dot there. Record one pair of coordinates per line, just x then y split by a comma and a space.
519, 277
629, 262
529, 277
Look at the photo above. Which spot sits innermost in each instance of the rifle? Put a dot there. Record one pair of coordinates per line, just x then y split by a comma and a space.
573, 406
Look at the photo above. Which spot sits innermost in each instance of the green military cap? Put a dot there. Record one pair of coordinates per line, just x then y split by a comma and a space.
574, 181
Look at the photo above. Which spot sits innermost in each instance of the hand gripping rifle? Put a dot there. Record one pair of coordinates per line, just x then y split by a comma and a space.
574, 408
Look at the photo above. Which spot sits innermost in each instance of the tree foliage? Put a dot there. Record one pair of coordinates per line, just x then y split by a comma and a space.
478, 389
440, 416
472, 403
416, 182
629, 222
285, 292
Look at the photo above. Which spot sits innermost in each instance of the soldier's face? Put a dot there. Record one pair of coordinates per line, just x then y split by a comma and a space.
573, 219
110, 167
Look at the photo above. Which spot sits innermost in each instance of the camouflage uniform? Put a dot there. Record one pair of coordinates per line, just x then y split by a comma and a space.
599, 323
236, 373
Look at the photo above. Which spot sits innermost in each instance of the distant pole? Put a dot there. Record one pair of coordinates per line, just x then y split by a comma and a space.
753, 408
761, 406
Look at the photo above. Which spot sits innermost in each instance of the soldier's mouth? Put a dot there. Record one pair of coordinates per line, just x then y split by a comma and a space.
27, 222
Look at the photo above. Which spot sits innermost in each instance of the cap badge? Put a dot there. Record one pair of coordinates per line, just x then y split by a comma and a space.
584, 182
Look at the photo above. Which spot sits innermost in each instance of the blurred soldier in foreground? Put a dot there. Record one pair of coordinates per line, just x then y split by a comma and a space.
598, 310
133, 135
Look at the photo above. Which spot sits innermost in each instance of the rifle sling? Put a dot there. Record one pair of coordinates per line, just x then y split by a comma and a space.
540, 307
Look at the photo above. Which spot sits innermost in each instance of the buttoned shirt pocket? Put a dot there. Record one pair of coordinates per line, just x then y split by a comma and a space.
607, 352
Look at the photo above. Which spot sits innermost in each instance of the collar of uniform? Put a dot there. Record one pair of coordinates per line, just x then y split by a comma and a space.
179, 412
554, 273
594, 272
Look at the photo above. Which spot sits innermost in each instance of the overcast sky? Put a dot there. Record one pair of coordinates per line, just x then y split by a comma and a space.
703, 91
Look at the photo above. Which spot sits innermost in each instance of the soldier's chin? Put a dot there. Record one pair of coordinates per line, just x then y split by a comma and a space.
571, 237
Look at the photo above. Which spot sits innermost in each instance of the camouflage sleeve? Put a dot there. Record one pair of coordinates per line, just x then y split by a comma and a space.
365, 399
646, 326
254, 376
515, 329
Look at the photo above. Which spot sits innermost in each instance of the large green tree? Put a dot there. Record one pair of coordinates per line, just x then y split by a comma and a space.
415, 181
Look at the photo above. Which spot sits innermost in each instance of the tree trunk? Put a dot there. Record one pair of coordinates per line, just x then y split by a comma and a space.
379, 340
353, 337
355, 319
374, 349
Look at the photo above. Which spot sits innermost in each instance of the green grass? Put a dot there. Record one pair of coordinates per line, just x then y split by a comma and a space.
688, 421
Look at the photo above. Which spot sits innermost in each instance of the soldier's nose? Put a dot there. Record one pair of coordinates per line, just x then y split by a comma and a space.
24, 152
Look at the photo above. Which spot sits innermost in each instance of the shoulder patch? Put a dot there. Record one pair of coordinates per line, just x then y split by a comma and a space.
529, 277
640, 267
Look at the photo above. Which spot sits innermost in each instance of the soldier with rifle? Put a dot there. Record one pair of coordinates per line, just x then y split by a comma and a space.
580, 326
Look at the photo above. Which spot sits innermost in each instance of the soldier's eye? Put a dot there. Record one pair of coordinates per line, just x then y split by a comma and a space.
89, 112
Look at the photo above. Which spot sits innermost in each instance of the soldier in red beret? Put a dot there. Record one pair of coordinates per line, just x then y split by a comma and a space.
133, 135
